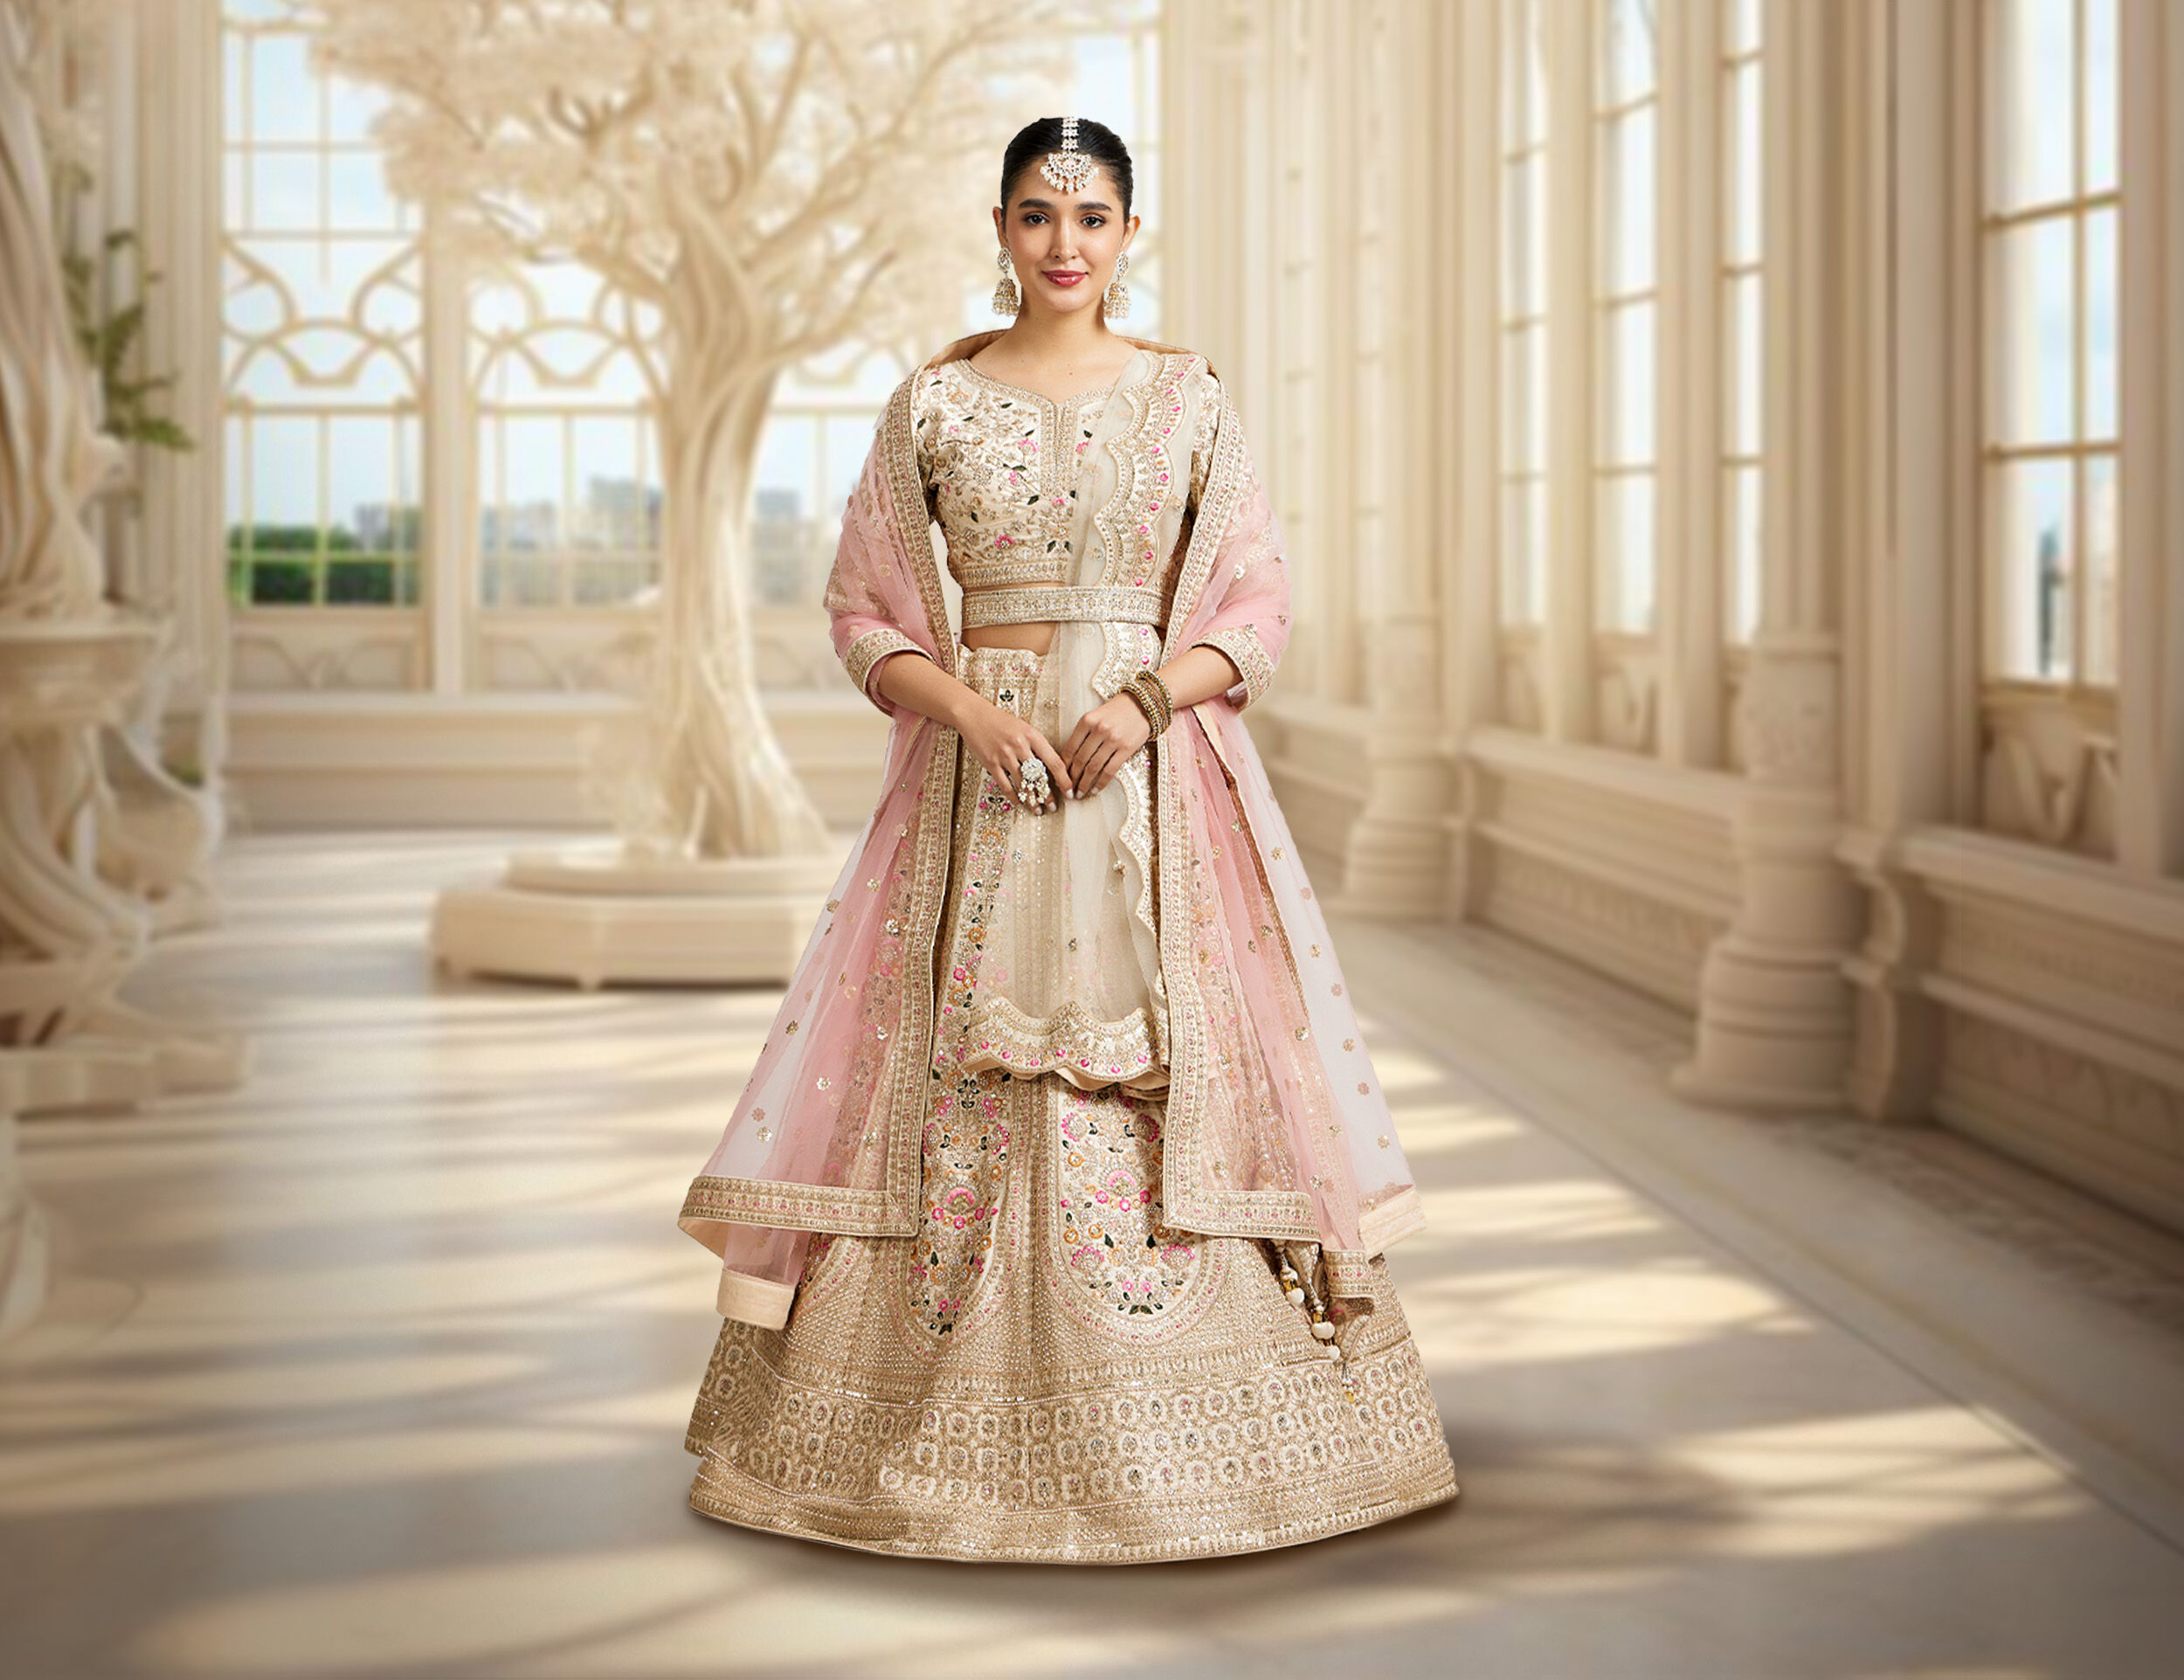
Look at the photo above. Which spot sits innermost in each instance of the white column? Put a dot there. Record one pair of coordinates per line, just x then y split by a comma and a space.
1690, 360
1775, 1021
447, 541
182, 523
1467, 376
1409, 289
1916, 687
2150, 702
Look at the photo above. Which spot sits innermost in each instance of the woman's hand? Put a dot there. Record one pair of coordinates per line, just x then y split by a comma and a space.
1102, 742
1001, 740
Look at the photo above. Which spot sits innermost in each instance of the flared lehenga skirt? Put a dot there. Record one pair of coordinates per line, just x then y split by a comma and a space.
1050, 1372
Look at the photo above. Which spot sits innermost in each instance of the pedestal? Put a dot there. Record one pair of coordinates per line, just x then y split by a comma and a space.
606, 915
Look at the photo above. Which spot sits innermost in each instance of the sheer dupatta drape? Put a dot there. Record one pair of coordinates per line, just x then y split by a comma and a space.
1285, 1099
1277, 1125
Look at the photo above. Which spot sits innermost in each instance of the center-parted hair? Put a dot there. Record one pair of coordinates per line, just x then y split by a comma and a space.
1034, 139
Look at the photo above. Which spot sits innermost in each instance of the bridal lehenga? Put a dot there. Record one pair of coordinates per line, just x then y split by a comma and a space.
1052, 1219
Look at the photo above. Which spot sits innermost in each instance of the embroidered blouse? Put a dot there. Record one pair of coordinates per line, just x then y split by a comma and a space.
1050, 952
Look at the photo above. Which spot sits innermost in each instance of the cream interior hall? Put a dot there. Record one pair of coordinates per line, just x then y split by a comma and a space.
1731, 459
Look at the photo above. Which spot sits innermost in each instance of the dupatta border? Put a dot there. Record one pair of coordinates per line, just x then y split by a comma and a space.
1190, 1203
910, 1075
906, 490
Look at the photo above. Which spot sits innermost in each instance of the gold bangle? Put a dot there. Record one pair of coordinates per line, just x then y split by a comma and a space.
1146, 704
1167, 700
1150, 684
1152, 694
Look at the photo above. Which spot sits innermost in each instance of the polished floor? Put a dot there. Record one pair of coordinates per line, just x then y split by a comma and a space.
379, 1365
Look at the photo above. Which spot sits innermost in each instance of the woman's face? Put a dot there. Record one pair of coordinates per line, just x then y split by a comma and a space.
1052, 235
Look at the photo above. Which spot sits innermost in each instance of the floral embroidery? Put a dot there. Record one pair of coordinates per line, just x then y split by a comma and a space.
1115, 1245
994, 459
965, 1151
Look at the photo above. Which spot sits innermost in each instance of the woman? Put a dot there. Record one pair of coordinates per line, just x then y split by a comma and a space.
1050, 1220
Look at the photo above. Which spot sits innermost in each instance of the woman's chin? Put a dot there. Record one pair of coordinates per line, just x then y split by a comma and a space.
1066, 299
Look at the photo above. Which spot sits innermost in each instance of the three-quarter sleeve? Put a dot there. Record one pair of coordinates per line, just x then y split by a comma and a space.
869, 597
1250, 576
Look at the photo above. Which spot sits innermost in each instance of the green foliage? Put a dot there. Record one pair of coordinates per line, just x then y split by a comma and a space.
314, 565
107, 342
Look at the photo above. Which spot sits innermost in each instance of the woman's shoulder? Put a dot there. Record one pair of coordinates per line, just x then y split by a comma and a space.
1198, 367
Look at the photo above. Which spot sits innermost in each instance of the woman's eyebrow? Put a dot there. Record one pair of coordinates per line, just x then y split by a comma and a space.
1048, 203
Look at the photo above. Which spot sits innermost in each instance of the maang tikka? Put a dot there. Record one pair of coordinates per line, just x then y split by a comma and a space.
1068, 170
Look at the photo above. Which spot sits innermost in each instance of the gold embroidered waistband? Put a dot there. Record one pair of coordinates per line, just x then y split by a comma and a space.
1098, 604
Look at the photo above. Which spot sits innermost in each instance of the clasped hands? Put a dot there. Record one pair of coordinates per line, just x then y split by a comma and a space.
1097, 748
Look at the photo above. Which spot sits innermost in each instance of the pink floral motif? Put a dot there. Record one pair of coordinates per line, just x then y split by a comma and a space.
1111, 1228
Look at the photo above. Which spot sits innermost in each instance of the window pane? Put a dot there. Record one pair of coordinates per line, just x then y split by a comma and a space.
2100, 324
2103, 599
610, 583
2033, 121
1523, 94
1627, 180
357, 199
1627, 69
1523, 550
2032, 604
1740, 27
283, 192
1623, 585
2103, 114
1740, 421
785, 508
1524, 405
1740, 540
284, 94
1629, 411
1524, 250
1740, 214
2035, 326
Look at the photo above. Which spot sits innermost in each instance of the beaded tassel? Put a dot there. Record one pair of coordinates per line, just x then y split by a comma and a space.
1304, 1289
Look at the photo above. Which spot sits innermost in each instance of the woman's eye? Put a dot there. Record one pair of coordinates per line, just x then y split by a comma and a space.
1096, 221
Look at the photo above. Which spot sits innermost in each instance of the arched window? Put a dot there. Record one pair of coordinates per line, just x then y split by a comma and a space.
442, 475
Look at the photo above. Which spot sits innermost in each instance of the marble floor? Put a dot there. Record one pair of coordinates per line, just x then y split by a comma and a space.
379, 1364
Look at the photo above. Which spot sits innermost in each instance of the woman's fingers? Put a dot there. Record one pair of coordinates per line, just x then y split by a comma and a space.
1104, 769
1027, 753
1058, 767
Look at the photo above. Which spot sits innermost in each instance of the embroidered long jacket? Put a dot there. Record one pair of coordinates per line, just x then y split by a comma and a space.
1139, 510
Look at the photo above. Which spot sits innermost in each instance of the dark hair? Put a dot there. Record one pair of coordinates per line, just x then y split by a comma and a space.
1034, 139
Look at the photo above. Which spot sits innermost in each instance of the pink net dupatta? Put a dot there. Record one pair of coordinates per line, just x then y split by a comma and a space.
825, 1136
1274, 1103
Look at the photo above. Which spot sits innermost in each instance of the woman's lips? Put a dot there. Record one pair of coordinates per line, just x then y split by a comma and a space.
1062, 276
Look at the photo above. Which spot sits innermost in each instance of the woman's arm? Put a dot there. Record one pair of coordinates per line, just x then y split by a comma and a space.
1097, 748
1105, 736
998, 739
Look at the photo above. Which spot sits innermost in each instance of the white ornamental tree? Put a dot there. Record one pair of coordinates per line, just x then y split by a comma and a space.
778, 178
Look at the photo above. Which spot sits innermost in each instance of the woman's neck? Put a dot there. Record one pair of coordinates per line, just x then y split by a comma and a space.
1058, 346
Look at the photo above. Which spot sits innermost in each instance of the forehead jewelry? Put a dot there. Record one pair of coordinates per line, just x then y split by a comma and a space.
1068, 170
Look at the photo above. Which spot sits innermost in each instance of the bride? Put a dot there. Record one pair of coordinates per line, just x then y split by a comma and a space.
1051, 1219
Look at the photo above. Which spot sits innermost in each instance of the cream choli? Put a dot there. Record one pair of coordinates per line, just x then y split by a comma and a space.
1050, 953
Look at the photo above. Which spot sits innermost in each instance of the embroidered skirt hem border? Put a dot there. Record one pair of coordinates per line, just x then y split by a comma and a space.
752, 1504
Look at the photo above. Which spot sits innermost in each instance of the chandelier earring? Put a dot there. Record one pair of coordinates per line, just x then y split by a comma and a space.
1006, 298
1115, 302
